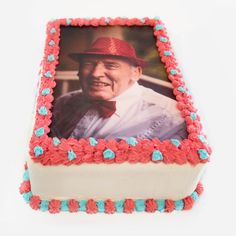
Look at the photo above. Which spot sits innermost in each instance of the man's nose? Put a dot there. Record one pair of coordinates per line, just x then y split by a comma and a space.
98, 70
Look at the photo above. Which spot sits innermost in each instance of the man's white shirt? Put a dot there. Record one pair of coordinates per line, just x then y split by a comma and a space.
140, 112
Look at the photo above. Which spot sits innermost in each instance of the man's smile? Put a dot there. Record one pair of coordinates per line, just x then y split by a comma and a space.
98, 84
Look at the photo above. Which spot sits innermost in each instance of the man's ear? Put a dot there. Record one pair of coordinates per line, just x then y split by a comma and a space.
137, 72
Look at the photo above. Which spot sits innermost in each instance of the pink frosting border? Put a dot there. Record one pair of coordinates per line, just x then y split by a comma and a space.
186, 152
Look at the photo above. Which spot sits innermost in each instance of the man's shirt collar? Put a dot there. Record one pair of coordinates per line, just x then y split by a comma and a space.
127, 99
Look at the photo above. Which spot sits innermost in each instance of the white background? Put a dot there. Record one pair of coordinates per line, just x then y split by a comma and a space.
203, 37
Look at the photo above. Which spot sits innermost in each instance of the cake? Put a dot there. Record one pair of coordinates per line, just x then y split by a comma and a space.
124, 136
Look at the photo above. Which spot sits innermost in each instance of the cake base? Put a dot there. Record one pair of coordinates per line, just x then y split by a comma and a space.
107, 206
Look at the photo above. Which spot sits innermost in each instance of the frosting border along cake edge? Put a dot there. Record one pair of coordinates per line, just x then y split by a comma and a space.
193, 150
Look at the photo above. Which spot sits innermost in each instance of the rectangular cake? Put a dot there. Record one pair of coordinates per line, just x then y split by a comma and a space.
115, 128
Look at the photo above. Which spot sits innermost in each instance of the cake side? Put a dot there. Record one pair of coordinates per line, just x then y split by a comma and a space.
116, 182
107, 206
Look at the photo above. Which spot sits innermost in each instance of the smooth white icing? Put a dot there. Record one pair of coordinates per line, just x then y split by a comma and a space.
114, 181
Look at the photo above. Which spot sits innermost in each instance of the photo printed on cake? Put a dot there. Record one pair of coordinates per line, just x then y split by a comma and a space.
111, 84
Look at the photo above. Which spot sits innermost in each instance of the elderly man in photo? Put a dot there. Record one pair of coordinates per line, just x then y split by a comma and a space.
111, 103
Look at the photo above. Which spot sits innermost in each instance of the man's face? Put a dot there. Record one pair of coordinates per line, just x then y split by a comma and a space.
103, 78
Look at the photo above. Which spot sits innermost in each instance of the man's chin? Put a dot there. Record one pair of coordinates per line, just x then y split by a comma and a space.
98, 96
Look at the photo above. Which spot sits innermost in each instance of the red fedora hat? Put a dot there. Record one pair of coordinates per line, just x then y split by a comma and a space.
109, 46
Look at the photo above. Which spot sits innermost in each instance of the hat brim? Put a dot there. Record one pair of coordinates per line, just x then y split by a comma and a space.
78, 56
